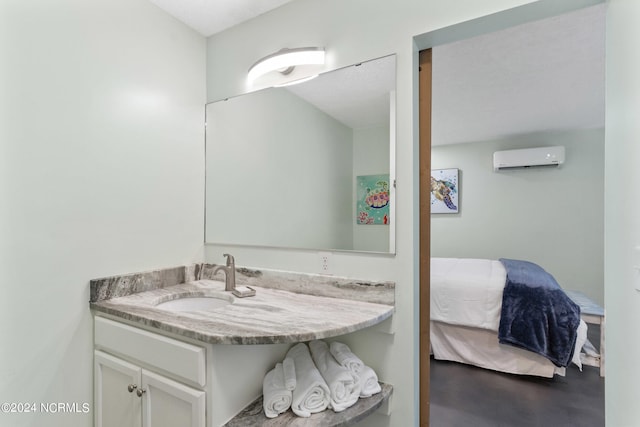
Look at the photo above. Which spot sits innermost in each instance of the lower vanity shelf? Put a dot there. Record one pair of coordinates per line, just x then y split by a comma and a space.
253, 415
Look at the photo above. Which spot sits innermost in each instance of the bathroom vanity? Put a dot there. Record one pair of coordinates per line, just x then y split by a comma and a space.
158, 365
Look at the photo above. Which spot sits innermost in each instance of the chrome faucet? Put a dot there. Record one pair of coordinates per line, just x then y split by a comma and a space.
229, 273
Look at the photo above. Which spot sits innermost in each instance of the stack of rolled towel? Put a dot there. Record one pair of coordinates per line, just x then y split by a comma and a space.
277, 388
369, 384
316, 377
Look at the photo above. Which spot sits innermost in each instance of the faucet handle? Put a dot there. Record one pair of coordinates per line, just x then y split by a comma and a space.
230, 260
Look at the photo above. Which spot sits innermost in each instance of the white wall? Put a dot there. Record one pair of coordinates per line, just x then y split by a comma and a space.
370, 157
102, 173
281, 176
622, 213
553, 217
354, 31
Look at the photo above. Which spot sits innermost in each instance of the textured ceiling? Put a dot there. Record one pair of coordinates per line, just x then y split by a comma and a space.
541, 76
212, 16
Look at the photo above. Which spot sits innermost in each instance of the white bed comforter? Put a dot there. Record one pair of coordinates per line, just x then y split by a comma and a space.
467, 292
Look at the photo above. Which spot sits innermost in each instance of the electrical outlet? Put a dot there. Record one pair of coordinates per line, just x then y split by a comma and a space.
325, 262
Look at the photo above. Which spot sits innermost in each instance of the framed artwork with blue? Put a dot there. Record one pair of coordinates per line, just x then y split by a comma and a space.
445, 190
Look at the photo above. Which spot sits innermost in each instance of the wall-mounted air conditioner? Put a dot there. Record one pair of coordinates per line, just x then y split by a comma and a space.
528, 157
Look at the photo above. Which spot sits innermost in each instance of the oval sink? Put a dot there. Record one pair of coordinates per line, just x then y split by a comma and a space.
194, 304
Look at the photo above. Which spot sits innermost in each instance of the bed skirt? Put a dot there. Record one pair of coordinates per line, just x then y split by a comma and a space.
480, 347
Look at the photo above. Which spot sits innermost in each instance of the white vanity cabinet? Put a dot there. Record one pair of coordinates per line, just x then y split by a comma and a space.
182, 382
169, 403
133, 388
114, 404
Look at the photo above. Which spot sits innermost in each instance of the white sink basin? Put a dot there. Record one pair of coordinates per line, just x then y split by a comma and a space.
203, 303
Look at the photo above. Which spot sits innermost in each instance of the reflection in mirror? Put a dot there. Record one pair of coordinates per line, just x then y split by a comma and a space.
283, 164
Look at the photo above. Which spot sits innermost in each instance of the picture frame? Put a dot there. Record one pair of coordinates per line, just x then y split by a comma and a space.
445, 191
372, 199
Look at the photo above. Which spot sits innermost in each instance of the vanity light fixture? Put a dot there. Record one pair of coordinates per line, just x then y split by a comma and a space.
298, 81
285, 61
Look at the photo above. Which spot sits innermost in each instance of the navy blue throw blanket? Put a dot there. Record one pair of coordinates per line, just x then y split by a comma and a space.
536, 313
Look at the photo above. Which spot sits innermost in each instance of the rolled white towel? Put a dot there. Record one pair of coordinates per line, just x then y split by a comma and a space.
289, 373
343, 384
276, 399
369, 382
342, 353
311, 394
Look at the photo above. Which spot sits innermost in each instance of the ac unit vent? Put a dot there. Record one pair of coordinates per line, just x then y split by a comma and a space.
529, 157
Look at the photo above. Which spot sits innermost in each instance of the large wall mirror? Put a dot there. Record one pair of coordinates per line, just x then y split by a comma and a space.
309, 166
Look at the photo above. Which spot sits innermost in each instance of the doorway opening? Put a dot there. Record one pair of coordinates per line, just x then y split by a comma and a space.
430, 134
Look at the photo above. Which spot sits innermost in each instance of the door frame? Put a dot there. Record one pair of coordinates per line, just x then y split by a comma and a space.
534, 11
424, 105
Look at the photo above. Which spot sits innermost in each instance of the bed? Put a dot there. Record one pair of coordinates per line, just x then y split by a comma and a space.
480, 316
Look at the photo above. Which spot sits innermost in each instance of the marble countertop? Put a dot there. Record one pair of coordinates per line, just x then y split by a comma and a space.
271, 316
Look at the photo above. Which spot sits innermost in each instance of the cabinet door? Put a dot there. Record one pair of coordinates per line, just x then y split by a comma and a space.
114, 405
167, 403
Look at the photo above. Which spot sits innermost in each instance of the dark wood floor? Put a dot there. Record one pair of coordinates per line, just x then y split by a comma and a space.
462, 396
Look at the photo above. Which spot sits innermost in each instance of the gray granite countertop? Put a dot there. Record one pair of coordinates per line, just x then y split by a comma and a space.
253, 415
271, 316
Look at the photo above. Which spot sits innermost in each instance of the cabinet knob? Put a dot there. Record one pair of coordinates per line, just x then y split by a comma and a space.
131, 387
140, 392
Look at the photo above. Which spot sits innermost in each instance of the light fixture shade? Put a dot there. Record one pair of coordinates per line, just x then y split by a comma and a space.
297, 81
285, 59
